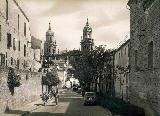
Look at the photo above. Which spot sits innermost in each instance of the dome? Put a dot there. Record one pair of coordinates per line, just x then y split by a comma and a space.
87, 28
50, 32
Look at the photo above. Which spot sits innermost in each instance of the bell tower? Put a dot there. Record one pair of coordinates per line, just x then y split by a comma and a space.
49, 45
87, 42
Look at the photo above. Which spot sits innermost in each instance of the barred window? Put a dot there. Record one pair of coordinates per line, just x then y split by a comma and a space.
11, 61
24, 50
9, 40
19, 45
14, 44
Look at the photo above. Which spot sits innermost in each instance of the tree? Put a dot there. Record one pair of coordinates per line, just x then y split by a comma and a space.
89, 66
51, 78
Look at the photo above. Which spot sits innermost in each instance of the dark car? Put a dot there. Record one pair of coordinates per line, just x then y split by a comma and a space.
90, 98
75, 88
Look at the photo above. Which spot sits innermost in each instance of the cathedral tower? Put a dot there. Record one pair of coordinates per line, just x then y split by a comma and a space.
50, 43
49, 47
86, 40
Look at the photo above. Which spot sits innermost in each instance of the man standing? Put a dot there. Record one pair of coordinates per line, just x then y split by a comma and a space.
56, 96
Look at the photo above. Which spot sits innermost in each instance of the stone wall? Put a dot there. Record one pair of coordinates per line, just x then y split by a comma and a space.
145, 81
29, 91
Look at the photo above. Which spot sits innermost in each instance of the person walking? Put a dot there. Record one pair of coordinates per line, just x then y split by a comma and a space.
56, 97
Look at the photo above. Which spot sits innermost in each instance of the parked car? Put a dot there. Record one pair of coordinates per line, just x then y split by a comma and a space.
90, 98
79, 90
75, 88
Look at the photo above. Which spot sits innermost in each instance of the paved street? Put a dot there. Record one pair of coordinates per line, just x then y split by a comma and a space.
70, 104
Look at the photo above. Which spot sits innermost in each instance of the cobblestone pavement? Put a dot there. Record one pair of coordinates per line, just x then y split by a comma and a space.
70, 104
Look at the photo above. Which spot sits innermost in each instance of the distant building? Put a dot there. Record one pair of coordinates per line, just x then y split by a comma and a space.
121, 69
87, 42
36, 46
49, 47
14, 36
145, 55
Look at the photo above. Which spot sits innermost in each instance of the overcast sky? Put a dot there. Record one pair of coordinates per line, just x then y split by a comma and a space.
108, 18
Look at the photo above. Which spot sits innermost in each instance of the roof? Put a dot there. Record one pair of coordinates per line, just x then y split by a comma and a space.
123, 44
35, 43
21, 10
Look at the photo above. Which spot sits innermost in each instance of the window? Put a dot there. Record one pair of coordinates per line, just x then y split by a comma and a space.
136, 55
24, 64
14, 44
25, 50
125, 51
18, 64
24, 29
6, 63
11, 61
6, 55
18, 22
0, 32
6, 10
2, 60
119, 55
19, 45
9, 40
50, 39
150, 55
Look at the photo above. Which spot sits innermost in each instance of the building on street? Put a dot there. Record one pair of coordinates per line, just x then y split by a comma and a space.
121, 70
16, 54
37, 52
14, 35
145, 55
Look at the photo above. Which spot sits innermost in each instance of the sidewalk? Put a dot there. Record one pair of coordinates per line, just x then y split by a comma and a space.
27, 108
24, 109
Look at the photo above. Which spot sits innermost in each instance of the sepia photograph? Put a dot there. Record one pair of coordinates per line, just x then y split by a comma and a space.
79, 57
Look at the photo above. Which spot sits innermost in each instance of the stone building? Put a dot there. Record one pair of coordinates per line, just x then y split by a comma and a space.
14, 35
145, 55
87, 40
49, 46
121, 69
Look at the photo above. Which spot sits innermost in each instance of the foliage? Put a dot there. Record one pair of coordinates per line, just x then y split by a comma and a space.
13, 79
89, 66
51, 78
146, 3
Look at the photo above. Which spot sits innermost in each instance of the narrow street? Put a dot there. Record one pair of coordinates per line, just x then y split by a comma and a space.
70, 104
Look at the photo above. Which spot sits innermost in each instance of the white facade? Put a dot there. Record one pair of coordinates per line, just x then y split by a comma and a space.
121, 63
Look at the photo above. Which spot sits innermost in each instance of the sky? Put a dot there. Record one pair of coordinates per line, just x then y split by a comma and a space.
109, 20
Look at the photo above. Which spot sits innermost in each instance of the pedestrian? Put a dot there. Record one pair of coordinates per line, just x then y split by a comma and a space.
56, 97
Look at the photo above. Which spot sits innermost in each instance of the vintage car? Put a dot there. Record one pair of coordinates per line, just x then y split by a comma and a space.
90, 98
